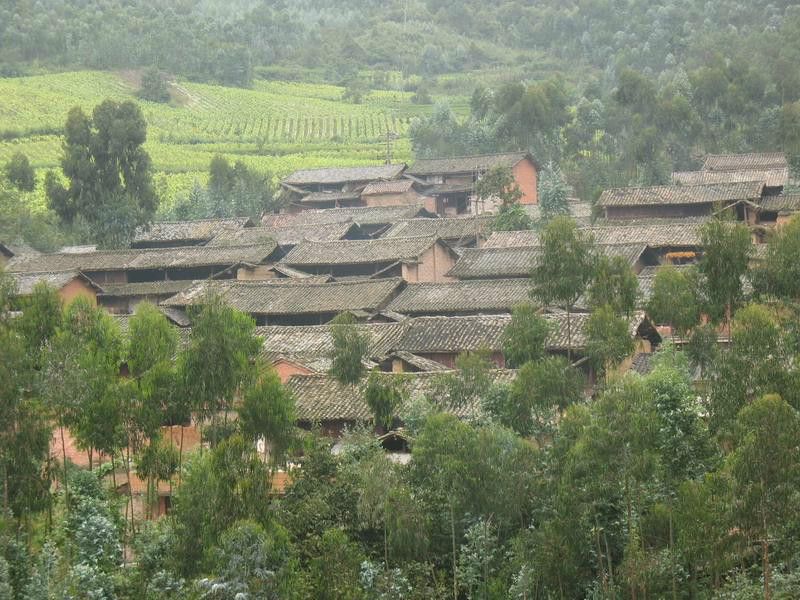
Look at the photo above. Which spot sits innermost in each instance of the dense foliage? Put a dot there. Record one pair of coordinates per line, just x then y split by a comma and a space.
659, 485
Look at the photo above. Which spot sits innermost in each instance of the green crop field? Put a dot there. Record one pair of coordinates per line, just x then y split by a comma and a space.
274, 127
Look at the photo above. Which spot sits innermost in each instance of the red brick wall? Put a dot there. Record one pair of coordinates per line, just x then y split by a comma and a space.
527, 179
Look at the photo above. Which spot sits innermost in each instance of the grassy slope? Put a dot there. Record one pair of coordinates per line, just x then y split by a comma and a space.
275, 127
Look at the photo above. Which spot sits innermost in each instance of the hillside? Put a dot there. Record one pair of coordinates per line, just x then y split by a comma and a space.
274, 127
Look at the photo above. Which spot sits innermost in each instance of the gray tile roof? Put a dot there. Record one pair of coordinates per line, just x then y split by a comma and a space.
733, 162
424, 335
475, 296
500, 263
188, 231
354, 252
293, 297
285, 236
317, 197
465, 164
580, 211
770, 177
653, 235
782, 203
149, 258
147, 288
421, 363
360, 215
25, 282
681, 194
323, 398
558, 338
336, 175
398, 186
452, 228
315, 341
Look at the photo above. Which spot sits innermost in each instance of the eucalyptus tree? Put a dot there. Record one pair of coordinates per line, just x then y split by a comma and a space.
218, 360
565, 269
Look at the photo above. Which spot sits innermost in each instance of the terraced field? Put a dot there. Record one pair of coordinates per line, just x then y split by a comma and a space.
275, 126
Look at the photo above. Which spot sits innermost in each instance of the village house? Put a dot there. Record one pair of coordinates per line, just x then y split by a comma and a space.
371, 220
122, 298
666, 242
68, 284
519, 261
334, 187
307, 349
322, 401
414, 259
461, 297
288, 237
294, 302
156, 264
775, 211
678, 201
169, 234
457, 232
451, 181
396, 192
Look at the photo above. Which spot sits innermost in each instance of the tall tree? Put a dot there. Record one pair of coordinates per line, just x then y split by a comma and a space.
20, 173
608, 339
614, 285
109, 181
218, 359
726, 252
384, 395
565, 268
673, 299
525, 337
779, 275
553, 193
267, 413
766, 472
350, 347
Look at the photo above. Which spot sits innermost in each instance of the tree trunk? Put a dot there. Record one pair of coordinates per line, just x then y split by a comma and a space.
453, 538
130, 488
672, 557
765, 550
569, 336
64, 465
180, 455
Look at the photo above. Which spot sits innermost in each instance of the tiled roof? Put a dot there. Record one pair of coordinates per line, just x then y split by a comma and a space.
337, 175
787, 203
149, 258
285, 236
265, 298
770, 177
316, 197
199, 230
323, 398
315, 341
475, 296
681, 194
360, 215
510, 239
424, 335
147, 288
580, 211
55, 279
398, 186
733, 162
455, 228
558, 338
421, 363
465, 164
653, 236
499, 263
354, 252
